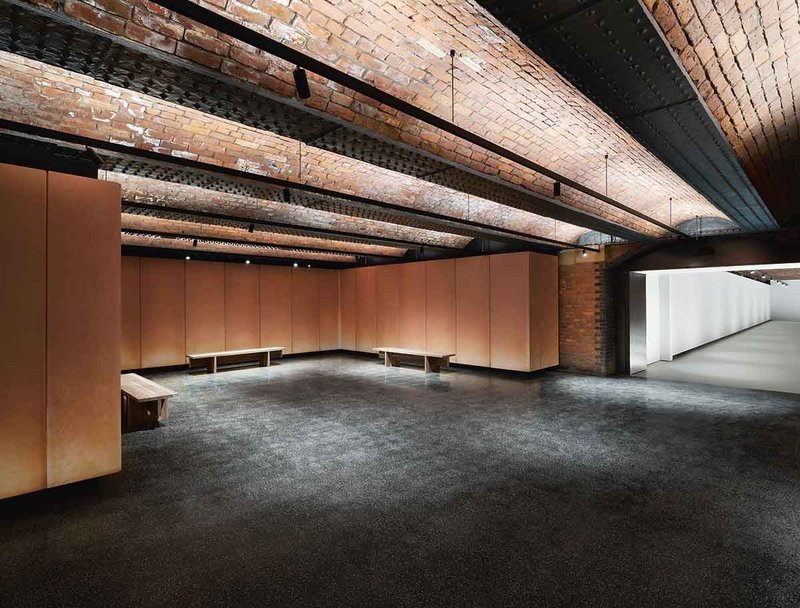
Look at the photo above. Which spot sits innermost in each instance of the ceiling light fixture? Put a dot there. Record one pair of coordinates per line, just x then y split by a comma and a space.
194, 243
188, 257
295, 264
301, 83
251, 227
556, 189
286, 195
247, 261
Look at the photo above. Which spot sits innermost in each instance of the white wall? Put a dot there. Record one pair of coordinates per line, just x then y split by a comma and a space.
786, 301
696, 308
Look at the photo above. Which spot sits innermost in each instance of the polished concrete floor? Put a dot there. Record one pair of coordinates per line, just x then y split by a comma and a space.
333, 481
765, 357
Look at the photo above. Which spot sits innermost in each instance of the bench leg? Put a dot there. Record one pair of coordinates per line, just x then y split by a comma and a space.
387, 360
432, 365
211, 365
263, 360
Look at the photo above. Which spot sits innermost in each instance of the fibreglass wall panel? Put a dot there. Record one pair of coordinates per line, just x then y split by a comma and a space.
365, 309
23, 282
83, 328
510, 311
472, 311
411, 305
387, 305
544, 310
275, 294
205, 307
347, 310
328, 309
131, 314
241, 307
440, 305
305, 310
163, 312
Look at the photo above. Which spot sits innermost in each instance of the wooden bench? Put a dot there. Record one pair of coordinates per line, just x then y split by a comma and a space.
432, 361
263, 355
144, 403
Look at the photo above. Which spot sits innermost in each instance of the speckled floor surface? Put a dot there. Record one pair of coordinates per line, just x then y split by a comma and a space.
766, 357
332, 481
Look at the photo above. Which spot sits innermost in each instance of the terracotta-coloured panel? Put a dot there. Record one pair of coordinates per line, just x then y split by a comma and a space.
83, 328
544, 310
365, 309
411, 305
131, 314
163, 312
205, 307
440, 305
305, 310
510, 311
241, 307
275, 293
387, 305
472, 311
347, 310
328, 309
23, 463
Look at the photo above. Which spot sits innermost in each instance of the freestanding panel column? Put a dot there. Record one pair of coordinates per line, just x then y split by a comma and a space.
163, 313
205, 307
328, 309
347, 310
23, 460
472, 311
365, 309
241, 307
305, 310
131, 314
387, 303
510, 311
83, 328
275, 294
411, 305
440, 305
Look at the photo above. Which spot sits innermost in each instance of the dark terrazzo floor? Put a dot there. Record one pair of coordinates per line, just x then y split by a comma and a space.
332, 481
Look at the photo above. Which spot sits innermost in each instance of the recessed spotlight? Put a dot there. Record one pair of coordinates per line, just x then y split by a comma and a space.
584, 253
295, 264
247, 261
752, 272
309, 265
188, 257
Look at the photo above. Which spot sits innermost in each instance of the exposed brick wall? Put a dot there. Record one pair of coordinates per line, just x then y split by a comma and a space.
586, 318
744, 58
44, 95
503, 91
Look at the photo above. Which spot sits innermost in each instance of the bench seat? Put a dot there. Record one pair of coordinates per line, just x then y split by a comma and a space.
144, 402
263, 355
433, 361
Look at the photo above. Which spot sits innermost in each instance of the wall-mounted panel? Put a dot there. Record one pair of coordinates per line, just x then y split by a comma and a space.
305, 310
472, 311
131, 314
411, 305
205, 307
328, 309
365, 309
440, 305
241, 306
387, 305
163, 312
23, 283
347, 310
510, 311
544, 310
83, 328
275, 294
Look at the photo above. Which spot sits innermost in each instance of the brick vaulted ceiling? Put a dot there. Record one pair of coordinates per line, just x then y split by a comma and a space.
744, 58
134, 73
